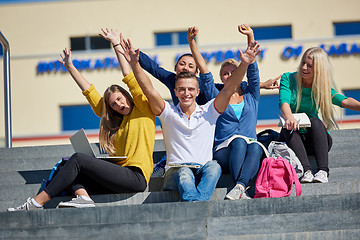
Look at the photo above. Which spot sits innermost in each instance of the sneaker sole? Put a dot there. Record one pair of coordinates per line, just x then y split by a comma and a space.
75, 205
320, 181
229, 198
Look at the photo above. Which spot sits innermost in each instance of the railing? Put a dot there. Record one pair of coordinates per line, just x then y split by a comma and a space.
7, 91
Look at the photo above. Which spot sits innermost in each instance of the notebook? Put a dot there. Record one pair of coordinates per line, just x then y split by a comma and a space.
81, 144
302, 118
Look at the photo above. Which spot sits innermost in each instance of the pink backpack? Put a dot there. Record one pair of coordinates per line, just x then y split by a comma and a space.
275, 179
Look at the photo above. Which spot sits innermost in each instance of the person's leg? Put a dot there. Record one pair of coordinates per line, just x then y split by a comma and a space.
182, 180
238, 151
294, 141
251, 164
106, 174
207, 177
222, 157
321, 143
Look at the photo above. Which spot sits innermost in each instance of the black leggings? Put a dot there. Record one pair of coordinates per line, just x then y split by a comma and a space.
316, 142
96, 176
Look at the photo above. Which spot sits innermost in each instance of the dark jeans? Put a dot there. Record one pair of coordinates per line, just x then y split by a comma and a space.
316, 142
241, 159
96, 176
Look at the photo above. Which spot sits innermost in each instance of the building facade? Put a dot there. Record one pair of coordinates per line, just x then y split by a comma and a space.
47, 105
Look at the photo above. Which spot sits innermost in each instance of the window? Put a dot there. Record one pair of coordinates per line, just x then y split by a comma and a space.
272, 32
347, 28
268, 107
1, 50
171, 38
354, 94
89, 43
78, 116
77, 43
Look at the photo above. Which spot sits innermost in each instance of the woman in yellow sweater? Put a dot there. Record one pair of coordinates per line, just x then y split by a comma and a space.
127, 128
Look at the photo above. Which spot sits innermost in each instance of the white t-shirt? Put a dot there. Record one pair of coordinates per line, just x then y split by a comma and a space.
189, 140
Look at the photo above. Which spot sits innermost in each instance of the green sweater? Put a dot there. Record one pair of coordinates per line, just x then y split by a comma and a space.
288, 94
136, 135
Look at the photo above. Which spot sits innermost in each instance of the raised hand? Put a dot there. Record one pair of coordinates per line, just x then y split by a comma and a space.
66, 59
245, 29
129, 53
110, 35
191, 34
250, 54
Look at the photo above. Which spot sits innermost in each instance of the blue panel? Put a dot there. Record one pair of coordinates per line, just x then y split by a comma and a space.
354, 94
348, 28
273, 32
182, 38
79, 116
268, 107
163, 39
1, 50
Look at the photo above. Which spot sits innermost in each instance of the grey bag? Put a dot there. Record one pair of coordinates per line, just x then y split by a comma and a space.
280, 149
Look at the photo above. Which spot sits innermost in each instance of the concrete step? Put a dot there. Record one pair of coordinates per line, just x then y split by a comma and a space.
349, 234
53, 151
180, 220
15, 198
284, 223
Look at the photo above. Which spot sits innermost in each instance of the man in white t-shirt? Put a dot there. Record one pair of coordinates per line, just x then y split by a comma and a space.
188, 128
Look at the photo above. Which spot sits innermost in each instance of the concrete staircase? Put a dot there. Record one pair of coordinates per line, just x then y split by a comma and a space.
323, 211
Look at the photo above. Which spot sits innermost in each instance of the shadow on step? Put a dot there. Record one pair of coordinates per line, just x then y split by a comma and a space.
35, 176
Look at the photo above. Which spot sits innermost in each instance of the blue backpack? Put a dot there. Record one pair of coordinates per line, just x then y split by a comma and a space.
53, 172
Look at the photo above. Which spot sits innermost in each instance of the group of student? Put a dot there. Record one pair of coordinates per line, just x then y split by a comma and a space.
207, 129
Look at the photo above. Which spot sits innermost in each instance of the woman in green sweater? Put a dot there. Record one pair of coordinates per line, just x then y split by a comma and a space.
311, 90
127, 128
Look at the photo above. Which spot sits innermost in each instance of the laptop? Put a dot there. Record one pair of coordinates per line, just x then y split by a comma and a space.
81, 144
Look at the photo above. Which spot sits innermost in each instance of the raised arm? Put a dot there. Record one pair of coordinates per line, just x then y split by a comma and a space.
199, 60
66, 60
156, 102
351, 103
232, 83
113, 36
247, 30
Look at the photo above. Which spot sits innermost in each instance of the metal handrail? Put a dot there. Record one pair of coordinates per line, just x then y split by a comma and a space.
7, 91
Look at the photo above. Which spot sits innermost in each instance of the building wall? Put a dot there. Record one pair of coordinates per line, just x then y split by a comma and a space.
37, 32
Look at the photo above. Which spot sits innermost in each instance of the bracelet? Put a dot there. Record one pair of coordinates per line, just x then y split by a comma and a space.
116, 45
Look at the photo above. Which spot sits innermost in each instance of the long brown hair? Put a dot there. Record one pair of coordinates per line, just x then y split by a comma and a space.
111, 119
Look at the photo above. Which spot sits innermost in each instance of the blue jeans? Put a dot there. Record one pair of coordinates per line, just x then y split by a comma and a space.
193, 184
241, 159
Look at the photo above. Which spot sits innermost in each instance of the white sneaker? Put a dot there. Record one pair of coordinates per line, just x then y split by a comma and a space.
28, 205
78, 202
238, 192
308, 177
321, 176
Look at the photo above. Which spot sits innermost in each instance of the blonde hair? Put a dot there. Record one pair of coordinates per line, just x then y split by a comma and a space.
228, 62
321, 85
111, 120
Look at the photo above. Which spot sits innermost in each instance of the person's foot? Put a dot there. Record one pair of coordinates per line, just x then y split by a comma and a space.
78, 202
238, 192
308, 177
321, 177
28, 205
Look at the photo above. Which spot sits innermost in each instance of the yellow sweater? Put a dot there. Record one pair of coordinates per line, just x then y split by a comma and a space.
136, 135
